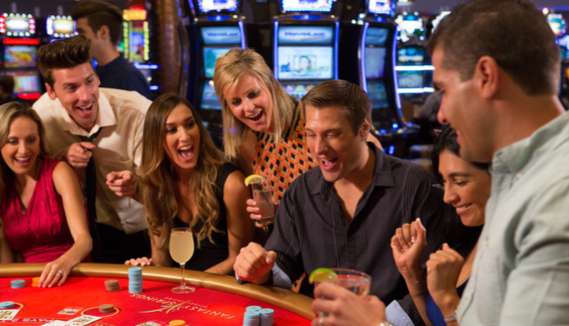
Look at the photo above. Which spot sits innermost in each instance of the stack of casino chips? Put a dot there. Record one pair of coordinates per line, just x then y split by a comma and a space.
135, 280
267, 317
106, 308
35, 281
18, 284
6, 305
256, 316
112, 285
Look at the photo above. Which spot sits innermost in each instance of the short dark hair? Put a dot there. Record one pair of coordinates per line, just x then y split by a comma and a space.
351, 98
62, 54
99, 14
7, 84
513, 32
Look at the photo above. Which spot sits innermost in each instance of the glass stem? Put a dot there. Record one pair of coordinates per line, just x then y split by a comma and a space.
183, 274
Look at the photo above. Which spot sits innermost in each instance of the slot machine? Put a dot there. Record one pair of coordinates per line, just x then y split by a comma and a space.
305, 44
377, 55
19, 54
218, 27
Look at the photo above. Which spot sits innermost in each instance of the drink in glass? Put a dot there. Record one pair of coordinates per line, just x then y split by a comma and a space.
182, 249
356, 282
263, 196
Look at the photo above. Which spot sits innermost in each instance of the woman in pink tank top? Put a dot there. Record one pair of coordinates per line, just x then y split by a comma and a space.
42, 213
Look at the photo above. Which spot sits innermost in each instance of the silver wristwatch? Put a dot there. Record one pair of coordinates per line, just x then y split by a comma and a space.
451, 317
385, 324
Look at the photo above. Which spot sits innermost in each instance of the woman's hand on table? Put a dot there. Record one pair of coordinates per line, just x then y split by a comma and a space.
144, 261
253, 209
408, 245
344, 308
55, 273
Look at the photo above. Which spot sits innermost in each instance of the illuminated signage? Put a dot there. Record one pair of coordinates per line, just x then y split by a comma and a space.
305, 35
60, 26
22, 25
221, 35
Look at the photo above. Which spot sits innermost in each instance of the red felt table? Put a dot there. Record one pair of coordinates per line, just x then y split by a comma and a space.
218, 299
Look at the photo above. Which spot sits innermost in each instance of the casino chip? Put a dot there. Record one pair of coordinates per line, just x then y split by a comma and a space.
257, 316
135, 280
36, 281
112, 285
6, 305
177, 323
267, 317
18, 284
106, 308
251, 318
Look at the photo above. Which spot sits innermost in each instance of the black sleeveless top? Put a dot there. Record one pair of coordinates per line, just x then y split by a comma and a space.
211, 254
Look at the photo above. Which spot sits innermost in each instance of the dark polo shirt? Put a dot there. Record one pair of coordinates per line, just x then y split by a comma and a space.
311, 231
121, 74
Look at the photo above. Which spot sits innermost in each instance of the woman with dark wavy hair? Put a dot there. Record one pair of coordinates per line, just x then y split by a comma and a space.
186, 181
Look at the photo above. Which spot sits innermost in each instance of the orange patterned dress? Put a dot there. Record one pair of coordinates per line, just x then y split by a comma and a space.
285, 161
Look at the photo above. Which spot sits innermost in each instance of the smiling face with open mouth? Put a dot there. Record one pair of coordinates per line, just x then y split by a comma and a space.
331, 139
467, 188
22, 146
77, 89
182, 142
251, 102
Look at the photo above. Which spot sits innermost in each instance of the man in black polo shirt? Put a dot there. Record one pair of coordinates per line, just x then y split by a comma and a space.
101, 22
344, 213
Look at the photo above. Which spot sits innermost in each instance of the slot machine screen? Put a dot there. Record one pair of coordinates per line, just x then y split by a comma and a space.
382, 7
411, 56
221, 35
377, 94
307, 5
304, 62
20, 56
210, 56
298, 89
374, 60
25, 81
209, 98
410, 79
217, 5
376, 36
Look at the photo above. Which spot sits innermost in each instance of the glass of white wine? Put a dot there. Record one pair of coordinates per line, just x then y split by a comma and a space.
181, 250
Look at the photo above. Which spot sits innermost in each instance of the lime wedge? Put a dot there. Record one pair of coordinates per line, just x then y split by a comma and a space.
323, 275
253, 179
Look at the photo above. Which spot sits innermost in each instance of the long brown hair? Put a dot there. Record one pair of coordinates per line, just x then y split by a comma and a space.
158, 176
228, 71
8, 113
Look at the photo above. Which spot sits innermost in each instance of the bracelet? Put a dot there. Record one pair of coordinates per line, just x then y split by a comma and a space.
450, 318
385, 323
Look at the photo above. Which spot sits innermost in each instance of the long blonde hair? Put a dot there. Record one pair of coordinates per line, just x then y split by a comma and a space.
158, 176
8, 113
228, 71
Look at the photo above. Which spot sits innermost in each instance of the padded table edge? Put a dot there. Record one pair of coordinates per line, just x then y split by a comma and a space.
285, 299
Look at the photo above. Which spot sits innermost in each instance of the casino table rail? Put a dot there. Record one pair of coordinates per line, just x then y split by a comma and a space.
285, 299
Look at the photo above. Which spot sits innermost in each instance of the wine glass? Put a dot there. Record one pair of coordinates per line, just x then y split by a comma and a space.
181, 250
